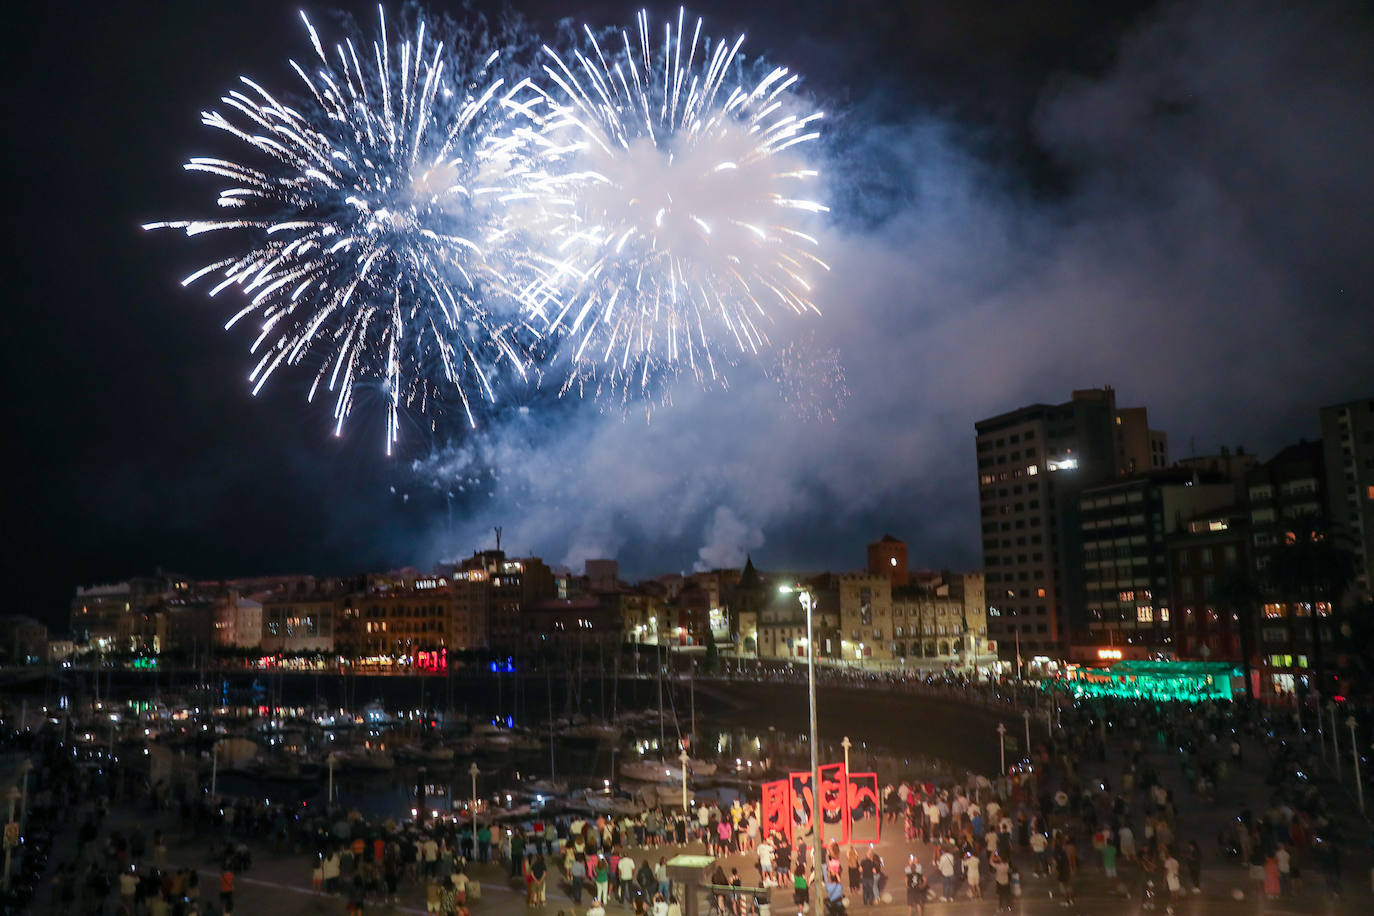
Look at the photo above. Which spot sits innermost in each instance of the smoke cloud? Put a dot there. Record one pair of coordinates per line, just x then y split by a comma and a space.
1207, 255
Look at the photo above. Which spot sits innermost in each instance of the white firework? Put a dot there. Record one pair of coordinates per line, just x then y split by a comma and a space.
680, 201
373, 224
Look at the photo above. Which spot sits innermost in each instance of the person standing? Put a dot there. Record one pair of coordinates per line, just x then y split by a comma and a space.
226, 890
1284, 859
915, 888
866, 867
625, 873
946, 874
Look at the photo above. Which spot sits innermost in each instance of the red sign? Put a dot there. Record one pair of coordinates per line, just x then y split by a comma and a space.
847, 800
865, 820
777, 808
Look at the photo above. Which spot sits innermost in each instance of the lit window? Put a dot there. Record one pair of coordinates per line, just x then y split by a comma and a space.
894, 561
1144, 613
1040, 592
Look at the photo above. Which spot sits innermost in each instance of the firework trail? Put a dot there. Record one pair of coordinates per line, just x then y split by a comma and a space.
680, 206
373, 223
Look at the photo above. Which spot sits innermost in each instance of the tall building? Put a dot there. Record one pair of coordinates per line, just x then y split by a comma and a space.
1348, 446
1124, 527
1033, 463
887, 557
1138, 448
1286, 495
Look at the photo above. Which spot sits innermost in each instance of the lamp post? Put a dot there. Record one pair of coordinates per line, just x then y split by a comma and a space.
1002, 744
817, 889
24, 790
473, 771
1025, 714
684, 758
846, 745
1355, 753
331, 761
214, 769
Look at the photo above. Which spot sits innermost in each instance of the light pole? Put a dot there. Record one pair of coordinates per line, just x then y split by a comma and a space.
24, 791
1355, 753
330, 761
817, 889
684, 758
846, 745
473, 771
1002, 744
1335, 745
214, 769
1025, 714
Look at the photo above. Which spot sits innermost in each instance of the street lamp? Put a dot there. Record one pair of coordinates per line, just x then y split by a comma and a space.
331, 761
1002, 744
846, 745
1025, 714
1355, 752
807, 603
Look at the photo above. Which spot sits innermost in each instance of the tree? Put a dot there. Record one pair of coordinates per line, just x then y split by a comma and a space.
1237, 595
711, 663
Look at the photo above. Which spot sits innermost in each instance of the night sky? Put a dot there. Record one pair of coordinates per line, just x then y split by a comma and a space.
1029, 197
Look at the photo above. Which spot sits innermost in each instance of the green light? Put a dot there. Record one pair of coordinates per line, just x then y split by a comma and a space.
1148, 680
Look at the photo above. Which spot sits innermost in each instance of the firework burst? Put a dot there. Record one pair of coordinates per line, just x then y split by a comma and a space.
372, 226
680, 202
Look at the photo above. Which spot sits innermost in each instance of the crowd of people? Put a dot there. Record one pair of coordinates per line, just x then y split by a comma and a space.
1100, 795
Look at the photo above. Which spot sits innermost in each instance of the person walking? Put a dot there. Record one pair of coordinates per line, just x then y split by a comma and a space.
1001, 876
973, 875
1192, 859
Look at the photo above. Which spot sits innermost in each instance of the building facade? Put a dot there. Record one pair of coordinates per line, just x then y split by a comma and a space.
1348, 450
1124, 528
1032, 465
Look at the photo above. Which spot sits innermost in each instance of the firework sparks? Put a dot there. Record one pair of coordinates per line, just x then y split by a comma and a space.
681, 207
810, 379
369, 209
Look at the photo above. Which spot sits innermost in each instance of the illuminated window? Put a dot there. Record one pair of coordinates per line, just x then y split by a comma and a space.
1274, 610
1369, 492
1144, 614
1164, 615
1040, 592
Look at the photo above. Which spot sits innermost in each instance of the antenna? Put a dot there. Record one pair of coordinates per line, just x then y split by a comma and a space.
498, 537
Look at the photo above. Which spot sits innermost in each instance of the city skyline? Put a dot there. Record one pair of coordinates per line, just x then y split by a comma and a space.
1009, 227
